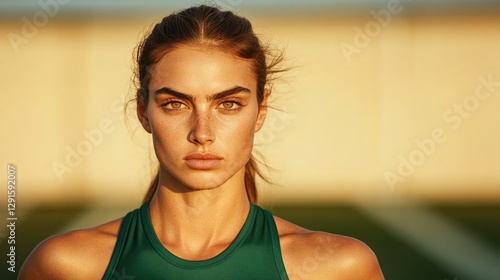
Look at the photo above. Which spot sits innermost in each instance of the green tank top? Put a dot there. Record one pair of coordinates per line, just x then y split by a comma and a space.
254, 254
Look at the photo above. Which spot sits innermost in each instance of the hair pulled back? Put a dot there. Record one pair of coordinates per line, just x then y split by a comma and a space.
205, 25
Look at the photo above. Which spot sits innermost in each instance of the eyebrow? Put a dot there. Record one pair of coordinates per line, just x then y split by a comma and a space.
215, 96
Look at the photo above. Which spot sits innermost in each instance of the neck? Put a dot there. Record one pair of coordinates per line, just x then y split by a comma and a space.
200, 223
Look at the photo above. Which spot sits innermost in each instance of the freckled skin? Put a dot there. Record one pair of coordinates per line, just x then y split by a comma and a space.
202, 125
203, 209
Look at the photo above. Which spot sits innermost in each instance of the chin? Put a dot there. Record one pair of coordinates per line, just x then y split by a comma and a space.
202, 180
184, 178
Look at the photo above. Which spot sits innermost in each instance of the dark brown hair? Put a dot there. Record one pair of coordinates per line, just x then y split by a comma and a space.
206, 25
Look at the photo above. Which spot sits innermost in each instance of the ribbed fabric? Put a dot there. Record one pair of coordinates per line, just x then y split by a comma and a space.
254, 254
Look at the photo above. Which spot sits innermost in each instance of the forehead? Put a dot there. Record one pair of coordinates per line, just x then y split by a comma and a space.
201, 70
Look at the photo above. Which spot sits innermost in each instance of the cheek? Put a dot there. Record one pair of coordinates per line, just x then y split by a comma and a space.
167, 134
239, 133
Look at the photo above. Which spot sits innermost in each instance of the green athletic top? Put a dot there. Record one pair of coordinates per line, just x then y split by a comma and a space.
254, 254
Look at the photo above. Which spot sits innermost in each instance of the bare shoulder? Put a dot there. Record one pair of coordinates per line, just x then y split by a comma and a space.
79, 254
320, 255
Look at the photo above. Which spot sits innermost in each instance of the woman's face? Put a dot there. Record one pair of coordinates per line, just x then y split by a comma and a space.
202, 112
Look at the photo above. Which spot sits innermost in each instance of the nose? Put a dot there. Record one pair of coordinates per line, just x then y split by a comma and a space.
202, 131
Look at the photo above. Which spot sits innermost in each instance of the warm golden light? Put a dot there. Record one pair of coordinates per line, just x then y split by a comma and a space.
409, 109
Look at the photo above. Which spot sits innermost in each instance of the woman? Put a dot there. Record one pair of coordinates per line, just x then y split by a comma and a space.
202, 95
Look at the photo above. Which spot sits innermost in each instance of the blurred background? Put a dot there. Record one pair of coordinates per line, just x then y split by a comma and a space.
386, 129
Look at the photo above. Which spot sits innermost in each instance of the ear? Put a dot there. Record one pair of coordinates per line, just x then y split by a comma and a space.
142, 113
262, 112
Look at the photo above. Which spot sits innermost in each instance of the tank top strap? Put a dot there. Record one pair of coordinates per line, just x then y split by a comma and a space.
254, 254
275, 240
123, 233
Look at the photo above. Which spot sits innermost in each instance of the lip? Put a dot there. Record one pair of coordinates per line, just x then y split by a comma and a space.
202, 161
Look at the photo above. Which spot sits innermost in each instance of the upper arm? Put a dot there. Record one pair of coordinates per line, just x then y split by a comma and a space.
357, 261
48, 260
81, 254
319, 255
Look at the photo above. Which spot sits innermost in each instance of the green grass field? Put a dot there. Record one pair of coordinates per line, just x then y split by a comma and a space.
401, 256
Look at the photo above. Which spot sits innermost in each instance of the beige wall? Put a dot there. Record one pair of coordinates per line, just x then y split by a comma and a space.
349, 121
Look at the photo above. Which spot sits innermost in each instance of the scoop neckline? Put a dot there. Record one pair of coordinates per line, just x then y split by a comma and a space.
194, 264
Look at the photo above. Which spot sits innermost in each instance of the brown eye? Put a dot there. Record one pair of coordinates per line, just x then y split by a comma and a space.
175, 105
228, 105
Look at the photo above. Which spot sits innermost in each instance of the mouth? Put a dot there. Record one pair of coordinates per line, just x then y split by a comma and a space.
202, 161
